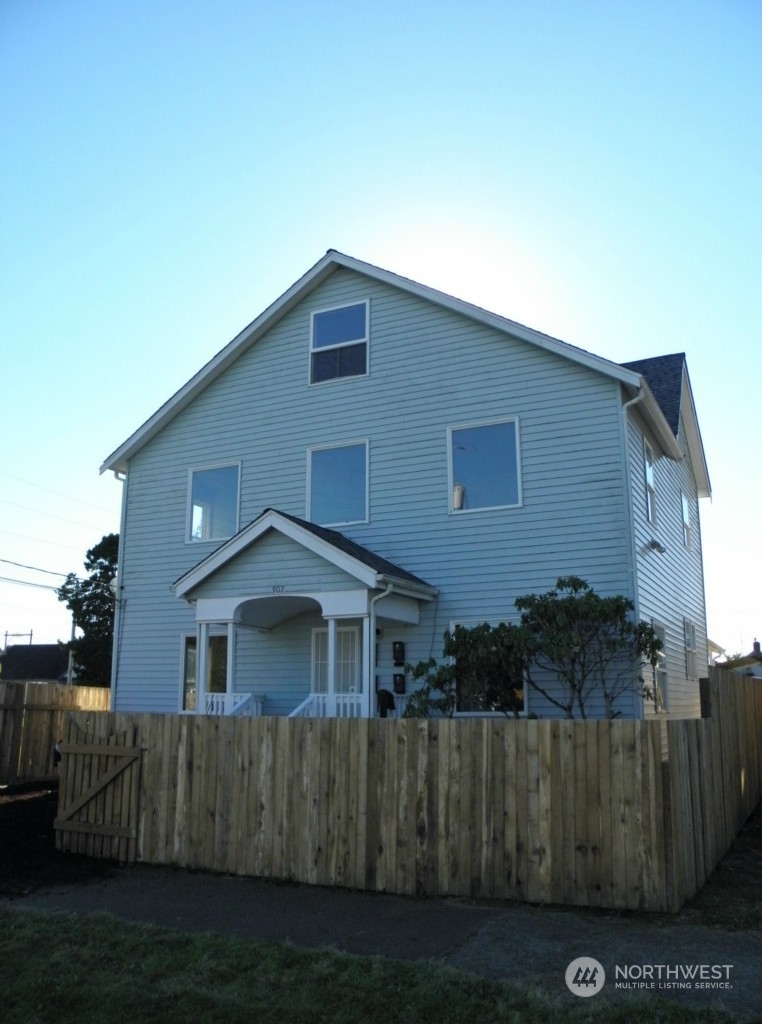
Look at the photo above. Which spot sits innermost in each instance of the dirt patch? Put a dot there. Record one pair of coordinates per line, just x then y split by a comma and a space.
28, 856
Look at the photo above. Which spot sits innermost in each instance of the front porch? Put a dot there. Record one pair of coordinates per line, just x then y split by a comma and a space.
303, 647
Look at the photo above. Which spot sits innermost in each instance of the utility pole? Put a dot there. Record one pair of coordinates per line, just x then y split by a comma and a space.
7, 634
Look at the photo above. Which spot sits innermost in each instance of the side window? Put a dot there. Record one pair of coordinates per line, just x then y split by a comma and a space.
216, 669
648, 461
474, 694
686, 521
660, 673
339, 342
690, 649
337, 484
213, 503
484, 465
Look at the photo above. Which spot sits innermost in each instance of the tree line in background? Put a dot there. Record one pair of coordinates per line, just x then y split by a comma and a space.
91, 603
570, 645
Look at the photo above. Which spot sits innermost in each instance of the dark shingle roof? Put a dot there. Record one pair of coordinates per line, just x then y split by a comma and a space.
42, 662
349, 547
664, 375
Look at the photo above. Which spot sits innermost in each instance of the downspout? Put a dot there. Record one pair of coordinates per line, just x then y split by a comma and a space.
372, 642
631, 508
117, 631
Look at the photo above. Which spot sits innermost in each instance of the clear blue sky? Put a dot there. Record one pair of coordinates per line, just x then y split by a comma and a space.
169, 168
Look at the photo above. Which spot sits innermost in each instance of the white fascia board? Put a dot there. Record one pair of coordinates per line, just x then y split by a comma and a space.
651, 411
273, 521
117, 461
693, 438
500, 323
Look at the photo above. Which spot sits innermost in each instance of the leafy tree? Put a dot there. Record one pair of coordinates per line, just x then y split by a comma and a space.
485, 673
92, 606
587, 642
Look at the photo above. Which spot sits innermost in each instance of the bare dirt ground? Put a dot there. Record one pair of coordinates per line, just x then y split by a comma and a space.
516, 942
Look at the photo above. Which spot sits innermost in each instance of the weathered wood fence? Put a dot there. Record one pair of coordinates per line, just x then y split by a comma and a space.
587, 813
32, 717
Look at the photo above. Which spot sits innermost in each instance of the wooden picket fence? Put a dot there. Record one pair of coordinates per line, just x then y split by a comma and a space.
32, 720
620, 814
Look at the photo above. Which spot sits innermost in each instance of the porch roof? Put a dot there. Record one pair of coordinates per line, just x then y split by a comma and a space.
365, 565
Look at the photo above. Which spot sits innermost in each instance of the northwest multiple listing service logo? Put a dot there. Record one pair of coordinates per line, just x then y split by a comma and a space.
585, 976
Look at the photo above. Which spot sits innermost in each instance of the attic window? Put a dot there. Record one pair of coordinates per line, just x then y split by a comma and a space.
339, 343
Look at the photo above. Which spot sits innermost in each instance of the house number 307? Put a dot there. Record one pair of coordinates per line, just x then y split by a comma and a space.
278, 588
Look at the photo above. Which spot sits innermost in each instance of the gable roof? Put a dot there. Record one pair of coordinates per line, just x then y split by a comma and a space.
667, 377
329, 264
34, 662
365, 565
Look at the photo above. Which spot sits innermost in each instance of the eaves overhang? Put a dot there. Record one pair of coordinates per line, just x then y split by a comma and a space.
329, 264
361, 569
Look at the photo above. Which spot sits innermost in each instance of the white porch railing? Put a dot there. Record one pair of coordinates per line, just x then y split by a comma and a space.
324, 705
234, 704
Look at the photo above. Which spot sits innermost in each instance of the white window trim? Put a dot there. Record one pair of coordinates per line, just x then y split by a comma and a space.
689, 632
342, 344
650, 485
686, 513
189, 502
318, 631
331, 446
450, 476
509, 620
661, 694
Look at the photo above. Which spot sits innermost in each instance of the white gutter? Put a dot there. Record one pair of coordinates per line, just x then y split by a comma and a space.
631, 508
372, 643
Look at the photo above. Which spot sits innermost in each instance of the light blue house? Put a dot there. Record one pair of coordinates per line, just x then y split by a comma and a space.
372, 461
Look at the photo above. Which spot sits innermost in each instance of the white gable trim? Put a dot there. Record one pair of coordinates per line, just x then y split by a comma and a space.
272, 520
117, 461
693, 438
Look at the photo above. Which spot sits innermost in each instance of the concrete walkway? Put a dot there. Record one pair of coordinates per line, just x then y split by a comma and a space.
532, 945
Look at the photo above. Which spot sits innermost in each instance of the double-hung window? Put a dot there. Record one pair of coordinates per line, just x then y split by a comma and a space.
485, 683
339, 342
213, 503
648, 463
691, 670
337, 484
484, 465
686, 521
660, 673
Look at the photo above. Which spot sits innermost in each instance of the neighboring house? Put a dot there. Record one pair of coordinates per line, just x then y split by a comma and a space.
41, 663
372, 461
748, 665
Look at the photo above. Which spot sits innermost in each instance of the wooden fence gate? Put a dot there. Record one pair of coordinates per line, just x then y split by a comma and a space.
98, 794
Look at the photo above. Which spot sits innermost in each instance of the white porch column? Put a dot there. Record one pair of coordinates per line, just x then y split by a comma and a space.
331, 681
230, 667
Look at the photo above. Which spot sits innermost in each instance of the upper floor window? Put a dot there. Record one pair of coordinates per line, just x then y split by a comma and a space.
339, 342
691, 670
484, 466
660, 674
686, 521
213, 503
648, 460
337, 484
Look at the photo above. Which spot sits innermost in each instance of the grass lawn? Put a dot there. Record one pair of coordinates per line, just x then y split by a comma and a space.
62, 969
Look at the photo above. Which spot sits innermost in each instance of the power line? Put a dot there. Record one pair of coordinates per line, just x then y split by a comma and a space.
34, 568
26, 583
49, 490
48, 515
